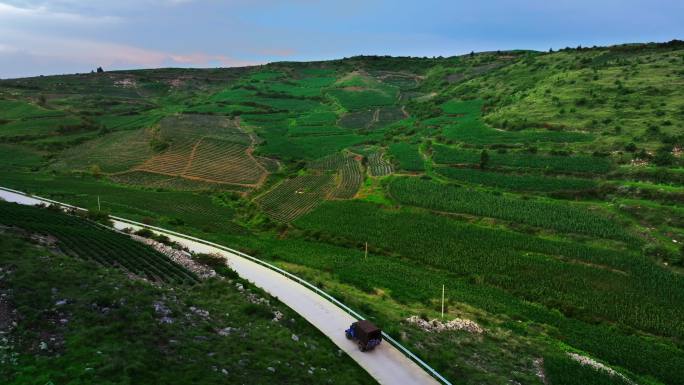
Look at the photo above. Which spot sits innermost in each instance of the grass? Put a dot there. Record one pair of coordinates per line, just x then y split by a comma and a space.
108, 331
463, 123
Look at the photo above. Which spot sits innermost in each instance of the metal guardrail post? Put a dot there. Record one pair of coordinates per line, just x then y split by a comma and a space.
293, 277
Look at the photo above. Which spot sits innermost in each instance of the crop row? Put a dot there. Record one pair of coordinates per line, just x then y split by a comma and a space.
588, 282
562, 164
224, 162
211, 160
377, 165
517, 182
86, 240
463, 123
350, 177
559, 216
407, 156
409, 281
295, 197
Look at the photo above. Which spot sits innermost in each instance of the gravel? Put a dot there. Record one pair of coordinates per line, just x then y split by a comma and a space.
438, 326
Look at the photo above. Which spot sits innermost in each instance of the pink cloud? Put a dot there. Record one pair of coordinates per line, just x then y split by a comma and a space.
108, 54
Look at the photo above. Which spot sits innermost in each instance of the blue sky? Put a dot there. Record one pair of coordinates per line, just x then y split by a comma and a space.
68, 36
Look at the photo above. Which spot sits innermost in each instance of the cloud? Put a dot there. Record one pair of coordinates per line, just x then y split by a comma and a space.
203, 59
13, 14
4, 48
88, 54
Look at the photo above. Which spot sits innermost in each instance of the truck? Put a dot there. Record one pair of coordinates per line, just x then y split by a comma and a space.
365, 333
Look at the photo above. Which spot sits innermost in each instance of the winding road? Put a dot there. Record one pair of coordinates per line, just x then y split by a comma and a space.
387, 364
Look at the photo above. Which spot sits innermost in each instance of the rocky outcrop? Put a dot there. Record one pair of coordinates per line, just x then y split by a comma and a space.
438, 326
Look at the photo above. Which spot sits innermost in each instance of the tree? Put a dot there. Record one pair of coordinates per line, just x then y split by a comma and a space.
663, 156
95, 171
484, 159
472, 53
100, 70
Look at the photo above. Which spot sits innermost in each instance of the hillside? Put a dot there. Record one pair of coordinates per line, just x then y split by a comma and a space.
80, 304
542, 189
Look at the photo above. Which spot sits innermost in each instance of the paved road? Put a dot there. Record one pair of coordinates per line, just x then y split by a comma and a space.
386, 363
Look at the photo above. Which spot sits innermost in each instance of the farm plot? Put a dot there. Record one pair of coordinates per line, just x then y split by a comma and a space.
84, 239
295, 197
207, 149
464, 124
560, 164
304, 130
114, 152
571, 280
407, 156
159, 181
317, 118
558, 216
377, 165
349, 179
516, 182
388, 115
331, 162
357, 120
180, 128
20, 109
171, 162
221, 161
354, 100
348, 173
39, 127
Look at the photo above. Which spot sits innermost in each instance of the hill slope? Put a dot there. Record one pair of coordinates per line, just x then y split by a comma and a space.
542, 189
69, 319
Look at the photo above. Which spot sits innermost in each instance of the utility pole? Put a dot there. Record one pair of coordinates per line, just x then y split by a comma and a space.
442, 302
98, 203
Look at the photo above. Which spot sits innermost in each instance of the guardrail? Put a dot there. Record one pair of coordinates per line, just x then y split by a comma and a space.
293, 277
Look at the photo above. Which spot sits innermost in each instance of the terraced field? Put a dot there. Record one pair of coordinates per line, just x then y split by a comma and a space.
377, 165
349, 179
88, 240
581, 164
220, 161
295, 197
115, 152
160, 181
516, 182
406, 156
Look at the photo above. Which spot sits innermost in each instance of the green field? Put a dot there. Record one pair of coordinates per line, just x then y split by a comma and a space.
543, 189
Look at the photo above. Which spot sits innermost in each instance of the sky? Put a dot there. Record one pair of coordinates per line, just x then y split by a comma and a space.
71, 36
